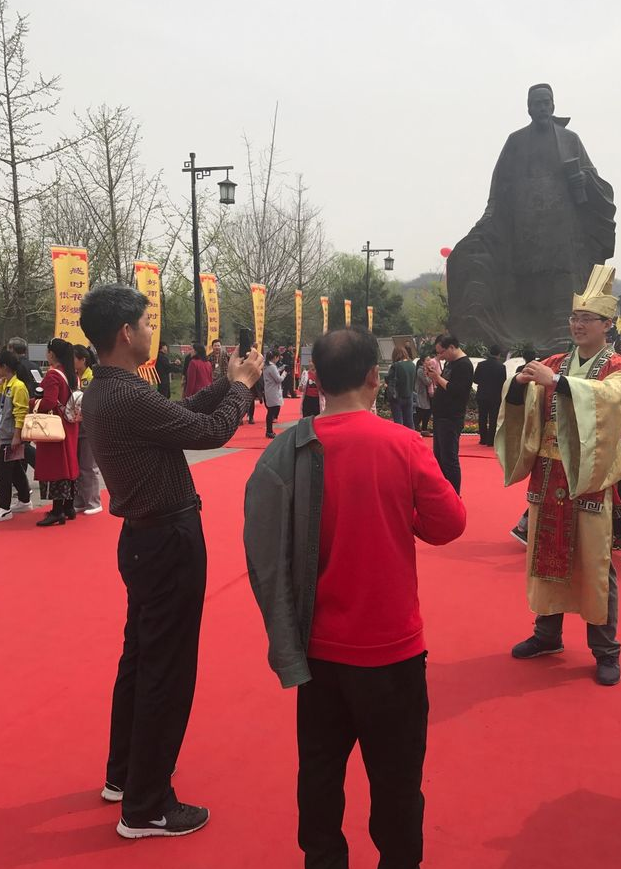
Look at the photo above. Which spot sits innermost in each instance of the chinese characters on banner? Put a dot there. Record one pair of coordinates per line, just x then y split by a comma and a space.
258, 305
370, 317
347, 313
70, 267
148, 283
209, 283
324, 307
298, 325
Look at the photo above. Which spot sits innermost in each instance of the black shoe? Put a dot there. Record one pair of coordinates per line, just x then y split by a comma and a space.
271, 435
70, 514
533, 648
520, 535
52, 519
607, 670
180, 821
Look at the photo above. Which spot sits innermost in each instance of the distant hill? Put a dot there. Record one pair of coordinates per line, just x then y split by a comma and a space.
416, 288
422, 282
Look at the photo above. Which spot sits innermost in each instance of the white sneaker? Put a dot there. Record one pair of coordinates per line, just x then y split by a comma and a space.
15, 499
5, 516
92, 511
22, 506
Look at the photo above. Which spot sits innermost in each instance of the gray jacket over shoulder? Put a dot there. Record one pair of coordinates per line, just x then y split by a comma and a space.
281, 535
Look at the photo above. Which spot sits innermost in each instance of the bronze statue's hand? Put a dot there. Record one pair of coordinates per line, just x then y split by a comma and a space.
578, 181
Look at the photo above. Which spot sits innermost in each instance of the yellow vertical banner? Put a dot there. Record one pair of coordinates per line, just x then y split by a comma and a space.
370, 317
70, 266
148, 283
209, 283
324, 307
347, 313
259, 293
298, 323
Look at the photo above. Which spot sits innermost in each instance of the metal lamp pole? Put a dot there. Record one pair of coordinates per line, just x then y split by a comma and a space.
227, 197
389, 262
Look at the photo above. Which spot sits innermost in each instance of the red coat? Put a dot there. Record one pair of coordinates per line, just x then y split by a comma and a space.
199, 375
57, 461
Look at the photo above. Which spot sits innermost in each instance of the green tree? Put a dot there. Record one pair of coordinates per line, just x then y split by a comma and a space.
427, 309
346, 279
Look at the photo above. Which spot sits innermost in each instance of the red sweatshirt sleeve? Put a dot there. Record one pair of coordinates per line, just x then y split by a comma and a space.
439, 512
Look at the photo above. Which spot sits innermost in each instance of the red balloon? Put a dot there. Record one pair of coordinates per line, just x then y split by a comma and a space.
445, 251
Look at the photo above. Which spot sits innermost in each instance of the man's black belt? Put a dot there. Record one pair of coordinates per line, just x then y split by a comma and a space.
163, 518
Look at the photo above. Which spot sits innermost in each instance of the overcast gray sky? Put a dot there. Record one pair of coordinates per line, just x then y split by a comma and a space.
395, 112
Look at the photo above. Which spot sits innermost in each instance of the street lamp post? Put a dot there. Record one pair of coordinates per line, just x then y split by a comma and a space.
227, 197
389, 262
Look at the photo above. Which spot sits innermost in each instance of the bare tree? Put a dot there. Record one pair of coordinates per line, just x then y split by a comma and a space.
23, 102
111, 186
277, 239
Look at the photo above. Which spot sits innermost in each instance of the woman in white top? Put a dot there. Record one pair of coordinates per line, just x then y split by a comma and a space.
272, 380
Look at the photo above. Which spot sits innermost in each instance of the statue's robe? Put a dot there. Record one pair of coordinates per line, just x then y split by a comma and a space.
512, 278
571, 447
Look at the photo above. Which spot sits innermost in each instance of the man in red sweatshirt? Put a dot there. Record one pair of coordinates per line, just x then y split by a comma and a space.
333, 509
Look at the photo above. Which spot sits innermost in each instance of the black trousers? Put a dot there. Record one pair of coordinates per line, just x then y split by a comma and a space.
12, 474
287, 386
164, 570
446, 434
30, 455
270, 419
488, 419
310, 406
385, 710
422, 418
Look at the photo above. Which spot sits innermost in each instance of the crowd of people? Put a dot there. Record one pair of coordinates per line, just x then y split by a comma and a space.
275, 384
64, 468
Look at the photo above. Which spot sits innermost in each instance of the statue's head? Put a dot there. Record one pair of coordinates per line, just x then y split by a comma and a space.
540, 104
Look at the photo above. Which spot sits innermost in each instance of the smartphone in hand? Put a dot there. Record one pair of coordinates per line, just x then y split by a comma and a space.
245, 342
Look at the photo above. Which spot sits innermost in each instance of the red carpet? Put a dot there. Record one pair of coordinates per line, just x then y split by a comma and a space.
253, 436
523, 769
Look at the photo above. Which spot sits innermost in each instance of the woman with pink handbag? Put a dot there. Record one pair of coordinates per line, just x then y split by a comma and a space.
56, 465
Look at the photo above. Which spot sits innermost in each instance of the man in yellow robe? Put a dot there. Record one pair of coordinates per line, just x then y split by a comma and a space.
560, 422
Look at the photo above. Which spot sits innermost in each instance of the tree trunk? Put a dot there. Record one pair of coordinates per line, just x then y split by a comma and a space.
19, 300
113, 226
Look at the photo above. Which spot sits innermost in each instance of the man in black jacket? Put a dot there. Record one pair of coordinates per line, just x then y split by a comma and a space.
490, 376
165, 368
452, 391
288, 360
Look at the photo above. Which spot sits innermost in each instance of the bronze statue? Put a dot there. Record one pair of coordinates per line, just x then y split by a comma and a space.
549, 220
